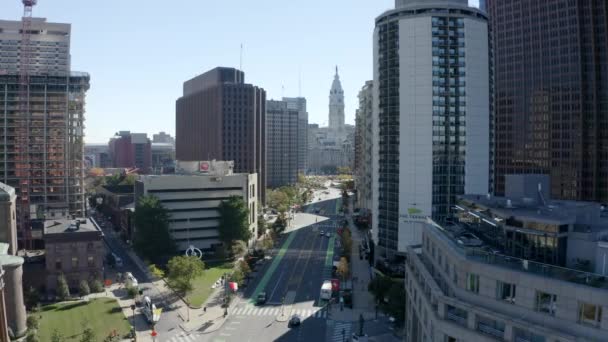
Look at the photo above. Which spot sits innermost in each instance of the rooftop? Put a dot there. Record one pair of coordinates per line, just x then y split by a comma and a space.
69, 226
473, 248
6, 192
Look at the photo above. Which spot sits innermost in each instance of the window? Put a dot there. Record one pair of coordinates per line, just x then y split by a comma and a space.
546, 302
505, 291
74, 262
490, 327
91, 261
590, 314
473, 282
58, 264
90, 246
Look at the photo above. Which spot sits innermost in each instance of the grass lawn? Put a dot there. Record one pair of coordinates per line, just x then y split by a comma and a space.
202, 285
103, 315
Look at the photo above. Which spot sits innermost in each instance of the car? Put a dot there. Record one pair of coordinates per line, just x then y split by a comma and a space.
294, 321
130, 280
117, 261
359, 338
261, 300
321, 233
328, 234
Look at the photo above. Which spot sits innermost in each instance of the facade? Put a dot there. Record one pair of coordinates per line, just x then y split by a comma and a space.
118, 205
282, 126
551, 103
131, 150
221, 117
74, 248
97, 155
50, 47
12, 308
336, 104
47, 171
459, 288
299, 104
163, 157
363, 147
193, 196
431, 100
164, 138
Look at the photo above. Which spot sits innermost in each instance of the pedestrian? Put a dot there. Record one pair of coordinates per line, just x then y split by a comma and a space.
205, 309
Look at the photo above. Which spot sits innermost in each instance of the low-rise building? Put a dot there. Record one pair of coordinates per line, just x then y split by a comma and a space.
74, 248
522, 268
193, 195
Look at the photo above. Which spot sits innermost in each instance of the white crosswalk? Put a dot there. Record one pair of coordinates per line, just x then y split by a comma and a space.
339, 328
184, 337
275, 311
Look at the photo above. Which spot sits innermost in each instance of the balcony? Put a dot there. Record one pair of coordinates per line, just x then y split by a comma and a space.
489, 330
455, 318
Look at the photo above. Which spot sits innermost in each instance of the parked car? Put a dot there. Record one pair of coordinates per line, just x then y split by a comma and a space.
114, 260
321, 233
328, 234
130, 280
261, 300
294, 321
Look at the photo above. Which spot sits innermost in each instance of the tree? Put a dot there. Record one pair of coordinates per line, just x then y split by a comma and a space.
262, 225
343, 270
344, 170
234, 221
237, 276
57, 336
280, 223
395, 306
347, 243
278, 200
32, 337
152, 238
84, 289
132, 291
379, 287
32, 297
112, 337
238, 248
267, 242
182, 270
32, 322
63, 291
129, 180
244, 267
157, 272
95, 286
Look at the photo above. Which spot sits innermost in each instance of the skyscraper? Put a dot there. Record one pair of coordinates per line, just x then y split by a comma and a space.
299, 104
432, 102
336, 104
41, 149
282, 125
551, 94
131, 150
221, 117
363, 146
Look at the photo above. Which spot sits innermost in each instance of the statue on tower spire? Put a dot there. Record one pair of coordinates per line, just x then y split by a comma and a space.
336, 70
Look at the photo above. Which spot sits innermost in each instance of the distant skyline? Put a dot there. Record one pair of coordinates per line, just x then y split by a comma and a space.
139, 54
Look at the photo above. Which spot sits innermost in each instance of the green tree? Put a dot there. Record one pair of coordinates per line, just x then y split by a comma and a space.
32, 337
57, 336
347, 243
379, 287
182, 270
83, 288
63, 291
114, 179
262, 225
343, 269
132, 291
32, 322
234, 221
395, 306
152, 239
267, 242
237, 276
238, 248
112, 337
157, 272
32, 297
95, 286
129, 180
244, 267
278, 199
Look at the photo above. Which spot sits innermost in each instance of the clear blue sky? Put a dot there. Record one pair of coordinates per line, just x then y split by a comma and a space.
140, 52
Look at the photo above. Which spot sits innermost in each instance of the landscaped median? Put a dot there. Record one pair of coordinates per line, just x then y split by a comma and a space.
102, 315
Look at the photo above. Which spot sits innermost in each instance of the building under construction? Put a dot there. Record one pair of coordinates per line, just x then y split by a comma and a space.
41, 122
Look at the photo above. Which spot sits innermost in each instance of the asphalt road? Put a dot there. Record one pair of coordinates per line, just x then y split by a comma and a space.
299, 265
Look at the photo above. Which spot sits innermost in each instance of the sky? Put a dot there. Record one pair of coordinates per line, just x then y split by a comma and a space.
139, 53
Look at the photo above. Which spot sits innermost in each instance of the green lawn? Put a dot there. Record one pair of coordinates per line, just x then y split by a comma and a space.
202, 285
103, 316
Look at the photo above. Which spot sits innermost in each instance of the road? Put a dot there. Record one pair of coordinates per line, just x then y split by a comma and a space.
302, 262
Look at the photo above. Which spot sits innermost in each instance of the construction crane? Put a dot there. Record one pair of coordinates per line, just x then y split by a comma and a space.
22, 143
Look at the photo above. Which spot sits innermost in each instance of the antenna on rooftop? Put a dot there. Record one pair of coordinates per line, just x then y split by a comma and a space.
300, 81
241, 59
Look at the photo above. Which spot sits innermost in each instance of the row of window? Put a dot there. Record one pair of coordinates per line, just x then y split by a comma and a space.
75, 263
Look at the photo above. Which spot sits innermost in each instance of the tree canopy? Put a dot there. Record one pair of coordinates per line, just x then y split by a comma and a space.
152, 239
182, 270
234, 221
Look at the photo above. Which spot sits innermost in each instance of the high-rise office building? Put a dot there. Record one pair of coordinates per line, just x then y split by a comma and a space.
221, 117
336, 104
299, 104
282, 124
432, 103
41, 149
163, 137
131, 150
551, 94
363, 147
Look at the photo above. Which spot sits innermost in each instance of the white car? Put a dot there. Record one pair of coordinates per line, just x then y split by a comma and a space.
130, 280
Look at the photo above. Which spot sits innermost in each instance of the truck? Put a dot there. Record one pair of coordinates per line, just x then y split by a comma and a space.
326, 290
151, 312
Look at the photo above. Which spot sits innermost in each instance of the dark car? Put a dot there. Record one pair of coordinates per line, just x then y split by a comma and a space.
261, 300
294, 321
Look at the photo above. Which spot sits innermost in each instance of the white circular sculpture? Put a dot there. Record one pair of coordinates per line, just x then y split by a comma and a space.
193, 251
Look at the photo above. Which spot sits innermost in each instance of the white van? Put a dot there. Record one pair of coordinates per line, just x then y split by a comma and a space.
326, 290
130, 280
